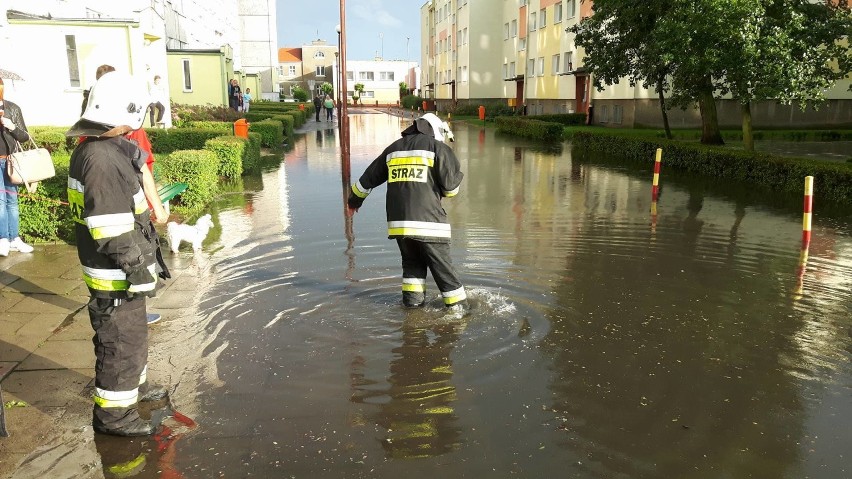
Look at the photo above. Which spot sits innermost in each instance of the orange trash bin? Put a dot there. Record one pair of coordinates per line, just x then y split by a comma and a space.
301, 106
241, 127
425, 106
481, 112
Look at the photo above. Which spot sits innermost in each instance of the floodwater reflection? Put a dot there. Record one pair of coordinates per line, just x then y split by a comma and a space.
604, 341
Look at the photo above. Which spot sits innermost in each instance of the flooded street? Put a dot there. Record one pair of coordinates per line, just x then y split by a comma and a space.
602, 342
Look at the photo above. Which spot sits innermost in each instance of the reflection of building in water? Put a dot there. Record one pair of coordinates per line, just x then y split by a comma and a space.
417, 407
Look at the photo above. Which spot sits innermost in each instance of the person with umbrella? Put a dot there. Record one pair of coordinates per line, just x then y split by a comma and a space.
13, 132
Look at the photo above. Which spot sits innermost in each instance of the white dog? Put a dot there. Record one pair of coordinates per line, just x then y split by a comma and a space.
189, 233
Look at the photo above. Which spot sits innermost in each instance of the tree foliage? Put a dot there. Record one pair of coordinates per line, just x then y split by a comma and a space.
695, 50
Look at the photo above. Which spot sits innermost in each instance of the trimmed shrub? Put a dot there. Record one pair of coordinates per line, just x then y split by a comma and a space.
271, 132
288, 122
182, 114
43, 216
212, 125
173, 139
230, 151
779, 173
493, 109
197, 168
535, 129
251, 155
411, 101
567, 119
51, 137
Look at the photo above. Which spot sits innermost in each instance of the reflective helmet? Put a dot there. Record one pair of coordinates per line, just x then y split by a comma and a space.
440, 128
117, 99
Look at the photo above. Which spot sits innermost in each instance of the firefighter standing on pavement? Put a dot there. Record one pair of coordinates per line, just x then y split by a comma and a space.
420, 170
117, 249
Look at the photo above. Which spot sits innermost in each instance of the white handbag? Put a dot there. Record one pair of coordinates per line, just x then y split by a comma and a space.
28, 167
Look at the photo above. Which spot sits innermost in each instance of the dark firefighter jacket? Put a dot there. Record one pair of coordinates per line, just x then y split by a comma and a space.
113, 233
419, 171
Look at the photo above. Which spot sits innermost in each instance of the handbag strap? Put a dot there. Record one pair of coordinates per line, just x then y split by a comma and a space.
17, 168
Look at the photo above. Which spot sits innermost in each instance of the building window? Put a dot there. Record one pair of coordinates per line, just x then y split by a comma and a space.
368, 94
505, 70
464, 74
557, 13
569, 62
73, 64
319, 55
542, 18
522, 44
365, 76
386, 76
505, 31
604, 116
320, 70
531, 68
532, 22
350, 75
617, 113
554, 67
514, 28
280, 71
291, 70
512, 73
571, 8
540, 66
464, 36
187, 77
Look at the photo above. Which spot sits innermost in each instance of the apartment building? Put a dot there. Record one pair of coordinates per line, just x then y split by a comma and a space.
308, 67
381, 79
521, 52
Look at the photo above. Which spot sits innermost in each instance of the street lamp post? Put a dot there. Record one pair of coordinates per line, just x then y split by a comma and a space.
337, 78
407, 66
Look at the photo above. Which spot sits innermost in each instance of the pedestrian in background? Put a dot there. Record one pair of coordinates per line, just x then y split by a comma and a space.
246, 100
329, 108
158, 101
420, 170
317, 105
13, 131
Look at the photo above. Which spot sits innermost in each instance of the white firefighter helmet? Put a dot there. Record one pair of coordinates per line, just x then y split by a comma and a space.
441, 128
117, 99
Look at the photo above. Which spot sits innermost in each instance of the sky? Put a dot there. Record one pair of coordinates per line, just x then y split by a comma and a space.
373, 27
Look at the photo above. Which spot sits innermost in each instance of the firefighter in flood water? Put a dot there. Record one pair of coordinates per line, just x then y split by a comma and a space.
420, 170
118, 249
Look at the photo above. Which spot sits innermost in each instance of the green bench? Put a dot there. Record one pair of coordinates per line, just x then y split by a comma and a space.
168, 192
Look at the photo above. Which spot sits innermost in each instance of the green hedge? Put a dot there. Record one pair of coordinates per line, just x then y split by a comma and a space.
53, 138
271, 132
173, 139
567, 119
43, 216
535, 129
212, 125
251, 157
230, 151
289, 123
197, 168
833, 180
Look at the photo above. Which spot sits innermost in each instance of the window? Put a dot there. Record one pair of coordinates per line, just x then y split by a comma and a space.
291, 70
73, 64
280, 71
505, 31
386, 76
368, 94
522, 44
540, 66
350, 75
187, 78
365, 76
514, 29
464, 36
604, 115
512, 73
532, 22
554, 66
459, 73
505, 70
557, 13
319, 55
570, 8
464, 74
542, 18
530, 68
617, 113
320, 70
569, 62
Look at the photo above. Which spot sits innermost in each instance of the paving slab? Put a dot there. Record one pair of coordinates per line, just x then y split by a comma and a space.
74, 354
50, 388
46, 303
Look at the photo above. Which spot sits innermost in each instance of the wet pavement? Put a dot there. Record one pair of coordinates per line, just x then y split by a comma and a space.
603, 341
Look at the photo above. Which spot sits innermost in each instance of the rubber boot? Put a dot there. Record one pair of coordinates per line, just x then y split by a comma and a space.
152, 392
413, 299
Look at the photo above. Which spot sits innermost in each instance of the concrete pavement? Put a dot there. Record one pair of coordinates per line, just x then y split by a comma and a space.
46, 353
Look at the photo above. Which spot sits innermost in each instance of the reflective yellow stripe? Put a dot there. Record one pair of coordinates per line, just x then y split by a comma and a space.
136, 288
411, 160
359, 190
105, 398
110, 225
453, 297
451, 193
106, 284
419, 228
414, 284
110, 231
424, 154
125, 469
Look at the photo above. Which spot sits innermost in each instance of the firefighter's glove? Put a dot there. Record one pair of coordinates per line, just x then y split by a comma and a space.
143, 281
354, 201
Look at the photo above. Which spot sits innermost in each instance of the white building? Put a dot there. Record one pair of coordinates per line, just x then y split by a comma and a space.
381, 79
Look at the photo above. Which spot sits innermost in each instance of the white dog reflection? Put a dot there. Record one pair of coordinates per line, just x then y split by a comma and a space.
194, 234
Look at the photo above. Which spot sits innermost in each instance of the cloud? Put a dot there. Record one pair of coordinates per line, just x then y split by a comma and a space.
374, 11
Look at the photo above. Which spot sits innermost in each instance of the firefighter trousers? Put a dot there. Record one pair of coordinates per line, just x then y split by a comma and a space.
121, 352
417, 256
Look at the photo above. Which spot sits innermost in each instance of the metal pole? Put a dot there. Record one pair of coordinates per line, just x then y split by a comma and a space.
344, 117
407, 66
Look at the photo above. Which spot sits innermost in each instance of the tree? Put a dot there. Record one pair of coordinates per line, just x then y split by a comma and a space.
359, 91
789, 51
403, 89
300, 94
327, 88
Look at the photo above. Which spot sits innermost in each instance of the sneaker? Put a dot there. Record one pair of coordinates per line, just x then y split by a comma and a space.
18, 245
4, 247
153, 318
